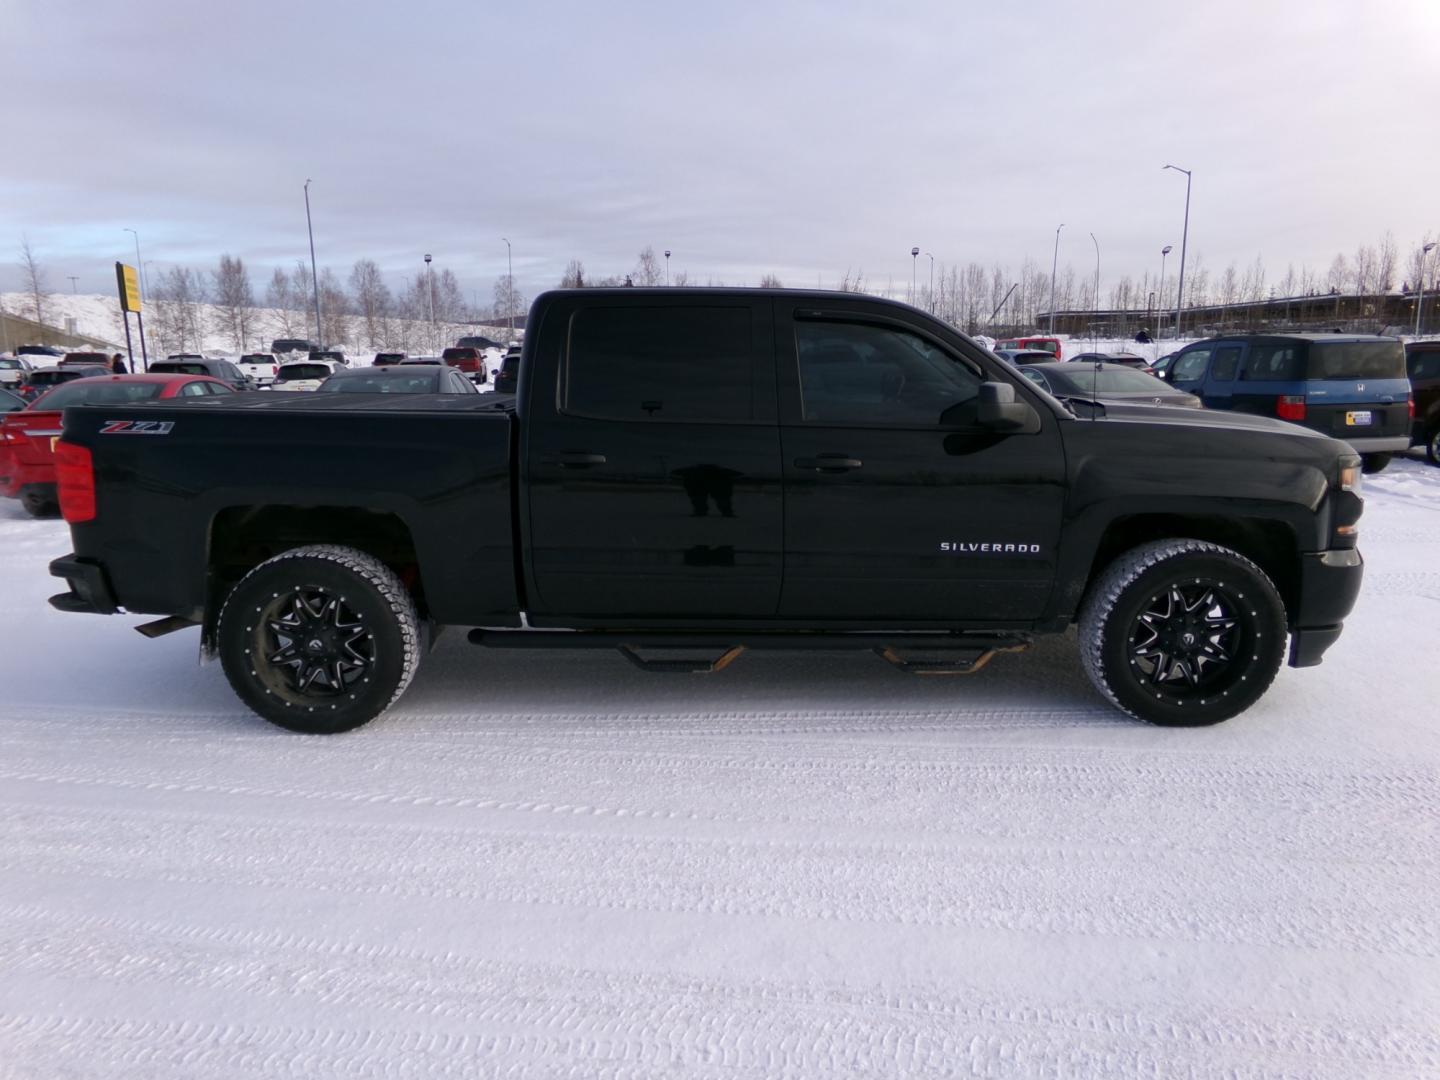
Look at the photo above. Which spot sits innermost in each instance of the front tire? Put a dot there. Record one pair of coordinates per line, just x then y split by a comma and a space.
319, 639
1182, 633
1373, 463
1432, 446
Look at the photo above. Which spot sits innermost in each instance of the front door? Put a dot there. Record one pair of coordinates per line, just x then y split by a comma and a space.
898, 505
654, 486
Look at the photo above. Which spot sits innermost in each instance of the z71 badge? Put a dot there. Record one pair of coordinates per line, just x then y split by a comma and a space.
137, 427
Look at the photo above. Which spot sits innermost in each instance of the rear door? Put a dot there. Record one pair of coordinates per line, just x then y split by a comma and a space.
898, 506
652, 459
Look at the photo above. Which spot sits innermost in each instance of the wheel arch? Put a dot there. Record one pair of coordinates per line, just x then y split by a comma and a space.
241, 537
1272, 545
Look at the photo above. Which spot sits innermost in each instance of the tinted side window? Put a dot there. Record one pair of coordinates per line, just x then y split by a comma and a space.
1273, 362
1425, 365
851, 373
1227, 359
1190, 366
661, 363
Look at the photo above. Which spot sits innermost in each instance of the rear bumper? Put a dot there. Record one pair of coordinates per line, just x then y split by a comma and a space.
1379, 444
89, 587
1329, 586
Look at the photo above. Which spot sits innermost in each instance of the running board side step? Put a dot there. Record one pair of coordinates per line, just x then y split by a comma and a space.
892, 647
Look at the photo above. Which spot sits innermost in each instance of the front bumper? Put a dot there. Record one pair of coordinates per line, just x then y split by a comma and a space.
90, 589
1329, 586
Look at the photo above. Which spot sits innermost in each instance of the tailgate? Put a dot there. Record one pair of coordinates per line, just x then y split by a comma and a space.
1359, 409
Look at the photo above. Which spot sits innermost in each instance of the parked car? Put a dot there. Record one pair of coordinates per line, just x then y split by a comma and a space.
224, 370
384, 358
1025, 356
1109, 384
11, 402
399, 379
1348, 386
285, 347
477, 341
331, 356
47, 379
260, 367
27, 438
467, 359
303, 374
766, 468
508, 378
45, 352
1422, 366
1162, 366
1127, 359
1044, 344
86, 359
14, 371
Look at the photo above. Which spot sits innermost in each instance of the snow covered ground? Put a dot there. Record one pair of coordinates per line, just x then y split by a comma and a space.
808, 866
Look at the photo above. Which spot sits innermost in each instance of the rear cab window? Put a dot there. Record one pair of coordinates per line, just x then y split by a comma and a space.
661, 363
1356, 360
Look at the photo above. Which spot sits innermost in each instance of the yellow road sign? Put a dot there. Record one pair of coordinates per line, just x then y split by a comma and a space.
129, 283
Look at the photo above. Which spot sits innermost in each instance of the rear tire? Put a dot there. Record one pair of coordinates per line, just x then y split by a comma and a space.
1373, 463
1182, 633
319, 639
40, 506
1432, 446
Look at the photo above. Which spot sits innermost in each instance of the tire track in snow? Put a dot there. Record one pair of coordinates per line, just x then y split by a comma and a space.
1051, 888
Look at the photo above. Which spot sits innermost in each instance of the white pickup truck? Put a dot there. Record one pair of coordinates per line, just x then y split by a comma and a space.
262, 367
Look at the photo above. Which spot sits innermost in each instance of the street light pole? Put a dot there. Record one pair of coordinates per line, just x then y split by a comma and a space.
430, 292
932, 281
1420, 300
73, 280
1054, 262
139, 266
667, 266
509, 287
1163, 253
914, 264
1097, 273
314, 273
1184, 241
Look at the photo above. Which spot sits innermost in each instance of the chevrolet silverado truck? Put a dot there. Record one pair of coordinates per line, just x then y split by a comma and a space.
687, 473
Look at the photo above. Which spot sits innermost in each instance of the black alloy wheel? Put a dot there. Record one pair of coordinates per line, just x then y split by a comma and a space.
1182, 632
319, 639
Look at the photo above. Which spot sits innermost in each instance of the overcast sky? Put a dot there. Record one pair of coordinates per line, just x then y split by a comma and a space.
791, 138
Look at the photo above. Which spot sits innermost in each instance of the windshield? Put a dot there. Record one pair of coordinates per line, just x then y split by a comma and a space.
175, 367
54, 378
257, 358
88, 392
296, 372
1357, 360
290, 345
1111, 381
419, 382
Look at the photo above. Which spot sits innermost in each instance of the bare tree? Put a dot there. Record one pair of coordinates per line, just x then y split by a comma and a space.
372, 303
1386, 260
508, 301
234, 313
334, 310
1339, 274
770, 281
574, 277
1362, 270
33, 274
449, 298
854, 284
285, 309
648, 270
179, 301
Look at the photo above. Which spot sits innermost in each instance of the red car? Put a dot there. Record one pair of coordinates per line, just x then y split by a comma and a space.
467, 359
28, 437
1043, 344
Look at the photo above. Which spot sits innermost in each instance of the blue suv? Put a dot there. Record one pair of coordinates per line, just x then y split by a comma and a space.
1349, 386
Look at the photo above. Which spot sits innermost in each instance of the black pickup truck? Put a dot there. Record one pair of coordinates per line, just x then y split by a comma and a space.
717, 469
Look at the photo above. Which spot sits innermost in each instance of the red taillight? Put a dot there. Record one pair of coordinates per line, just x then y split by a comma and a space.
75, 476
1410, 404
1290, 407
275, 370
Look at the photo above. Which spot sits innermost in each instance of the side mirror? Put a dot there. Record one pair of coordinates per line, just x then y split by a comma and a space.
999, 411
